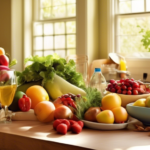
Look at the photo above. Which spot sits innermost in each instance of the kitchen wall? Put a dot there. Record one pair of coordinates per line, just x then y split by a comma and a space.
5, 25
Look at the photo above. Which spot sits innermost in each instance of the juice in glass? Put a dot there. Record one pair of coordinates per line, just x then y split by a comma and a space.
7, 93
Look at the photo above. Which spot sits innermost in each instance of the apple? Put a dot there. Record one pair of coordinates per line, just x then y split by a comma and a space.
4, 60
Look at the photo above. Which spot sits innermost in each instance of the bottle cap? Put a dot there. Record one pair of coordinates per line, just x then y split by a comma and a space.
97, 69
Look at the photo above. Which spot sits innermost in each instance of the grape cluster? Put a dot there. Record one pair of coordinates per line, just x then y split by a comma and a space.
126, 86
70, 95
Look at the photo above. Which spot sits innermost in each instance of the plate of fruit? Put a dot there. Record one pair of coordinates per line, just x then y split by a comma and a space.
102, 113
128, 89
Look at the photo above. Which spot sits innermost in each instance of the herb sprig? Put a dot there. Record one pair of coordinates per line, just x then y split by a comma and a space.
93, 99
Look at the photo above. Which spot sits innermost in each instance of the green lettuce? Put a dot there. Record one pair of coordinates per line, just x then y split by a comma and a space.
44, 68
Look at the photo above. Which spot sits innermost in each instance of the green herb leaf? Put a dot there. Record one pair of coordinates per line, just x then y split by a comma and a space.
93, 99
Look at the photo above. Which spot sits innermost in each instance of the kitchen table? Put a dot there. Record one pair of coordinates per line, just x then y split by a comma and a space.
33, 135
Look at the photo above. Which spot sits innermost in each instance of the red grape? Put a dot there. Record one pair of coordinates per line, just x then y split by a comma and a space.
117, 87
124, 92
112, 81
113, 90
129, 92
119, 91
135, 92
123, 87
130, 88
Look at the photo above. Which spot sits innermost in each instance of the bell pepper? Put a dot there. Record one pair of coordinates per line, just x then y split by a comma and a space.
24, 103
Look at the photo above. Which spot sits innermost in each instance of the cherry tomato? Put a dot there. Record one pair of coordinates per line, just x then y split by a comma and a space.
24, 103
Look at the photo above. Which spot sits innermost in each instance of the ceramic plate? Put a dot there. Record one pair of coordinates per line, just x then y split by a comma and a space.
103, 126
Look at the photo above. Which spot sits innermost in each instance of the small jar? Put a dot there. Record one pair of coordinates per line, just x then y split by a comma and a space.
105, 71
113, 73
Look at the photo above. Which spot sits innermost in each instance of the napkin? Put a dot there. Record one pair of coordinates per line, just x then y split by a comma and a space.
24, 116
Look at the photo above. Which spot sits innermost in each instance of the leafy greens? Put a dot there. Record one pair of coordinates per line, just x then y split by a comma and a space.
44, 68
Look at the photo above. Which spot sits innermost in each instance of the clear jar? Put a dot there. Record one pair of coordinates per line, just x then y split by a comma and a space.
106, 71
113, 73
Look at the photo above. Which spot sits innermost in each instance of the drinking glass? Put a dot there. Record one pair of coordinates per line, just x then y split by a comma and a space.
81, 65
8, 85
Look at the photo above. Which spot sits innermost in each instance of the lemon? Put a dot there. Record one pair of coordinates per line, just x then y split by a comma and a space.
140, 102
105, 116
147, 102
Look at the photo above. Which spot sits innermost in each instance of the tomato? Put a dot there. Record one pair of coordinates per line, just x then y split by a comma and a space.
24, 103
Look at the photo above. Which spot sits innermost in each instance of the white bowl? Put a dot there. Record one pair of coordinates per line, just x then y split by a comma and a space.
126, 99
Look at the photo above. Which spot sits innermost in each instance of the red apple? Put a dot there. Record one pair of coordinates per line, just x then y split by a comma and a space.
4, 60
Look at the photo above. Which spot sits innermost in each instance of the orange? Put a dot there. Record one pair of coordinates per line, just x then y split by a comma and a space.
2, 51
110, 101
120, 114
44, 111
37, 94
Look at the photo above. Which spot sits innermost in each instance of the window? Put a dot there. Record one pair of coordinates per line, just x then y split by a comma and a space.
54, 29
133, 28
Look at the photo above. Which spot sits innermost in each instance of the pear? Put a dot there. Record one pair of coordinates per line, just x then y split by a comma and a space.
147, 102
140, 102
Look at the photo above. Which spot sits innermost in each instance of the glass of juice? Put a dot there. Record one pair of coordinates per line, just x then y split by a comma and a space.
8, 85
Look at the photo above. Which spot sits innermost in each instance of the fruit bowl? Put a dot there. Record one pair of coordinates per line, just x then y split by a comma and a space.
126, 99
140, 113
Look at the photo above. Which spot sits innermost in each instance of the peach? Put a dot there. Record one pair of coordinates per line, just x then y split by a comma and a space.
44, 111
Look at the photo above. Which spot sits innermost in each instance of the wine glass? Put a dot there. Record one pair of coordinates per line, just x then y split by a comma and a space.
8, 85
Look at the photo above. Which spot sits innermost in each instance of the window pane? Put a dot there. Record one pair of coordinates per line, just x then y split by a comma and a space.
38, 29
59, 11
125, 7
48, 28
71, 27
59, 2
59, 28
71, 1
45, 3
38, 53
71, 41
131, 6
71, 10
60, 41
38, 43
51, 52
131, 31
71, 52
137, 5
45, 13
48, 42
147, 5
61, 53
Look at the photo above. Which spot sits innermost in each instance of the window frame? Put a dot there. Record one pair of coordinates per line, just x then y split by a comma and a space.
113, 26
36, 19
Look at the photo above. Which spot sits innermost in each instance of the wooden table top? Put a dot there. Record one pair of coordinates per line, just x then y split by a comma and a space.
87, 139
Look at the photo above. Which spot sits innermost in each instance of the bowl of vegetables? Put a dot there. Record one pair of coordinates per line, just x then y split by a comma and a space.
129, 90
140, 113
